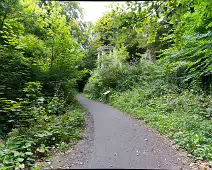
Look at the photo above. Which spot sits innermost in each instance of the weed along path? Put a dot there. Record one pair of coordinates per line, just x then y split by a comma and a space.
117, 141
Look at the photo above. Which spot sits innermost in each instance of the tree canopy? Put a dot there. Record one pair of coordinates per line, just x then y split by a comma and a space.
162, 52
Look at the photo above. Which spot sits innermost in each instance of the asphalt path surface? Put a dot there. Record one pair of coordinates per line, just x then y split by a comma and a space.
115, 140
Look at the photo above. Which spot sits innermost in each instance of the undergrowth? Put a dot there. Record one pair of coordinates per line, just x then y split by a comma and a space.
39, 125
148, 93
185, 118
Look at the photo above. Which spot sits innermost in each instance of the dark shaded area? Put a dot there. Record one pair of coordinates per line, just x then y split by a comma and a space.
81, 83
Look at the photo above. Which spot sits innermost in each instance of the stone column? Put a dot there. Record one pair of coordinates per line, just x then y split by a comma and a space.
110, 53
98, 55
103, 53
98, 59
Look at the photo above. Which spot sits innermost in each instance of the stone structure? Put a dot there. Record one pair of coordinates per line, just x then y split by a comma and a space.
101, 52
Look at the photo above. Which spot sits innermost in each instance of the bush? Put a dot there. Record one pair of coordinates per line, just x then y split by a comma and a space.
155, 94
119, 76
184, 117
25, 145
38, 124
104, 79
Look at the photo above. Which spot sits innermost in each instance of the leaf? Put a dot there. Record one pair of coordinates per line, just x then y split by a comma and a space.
16, 153
20, 159
22, 166
7, 161
28, 153
41, 150
1, 153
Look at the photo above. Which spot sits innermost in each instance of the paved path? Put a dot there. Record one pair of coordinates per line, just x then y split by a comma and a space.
119, 141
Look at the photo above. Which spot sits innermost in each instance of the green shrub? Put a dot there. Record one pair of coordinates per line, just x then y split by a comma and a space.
155, 94
38, 124
120, 77
25, 145
184, 117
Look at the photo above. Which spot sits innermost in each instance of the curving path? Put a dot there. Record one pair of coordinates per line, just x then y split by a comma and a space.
116, 140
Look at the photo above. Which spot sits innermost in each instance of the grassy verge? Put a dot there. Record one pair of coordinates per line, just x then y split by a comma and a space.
185, 118
24, 145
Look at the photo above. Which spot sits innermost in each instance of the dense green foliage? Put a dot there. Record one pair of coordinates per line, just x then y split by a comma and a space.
179, 31
145, 92
41, 59
161, 70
